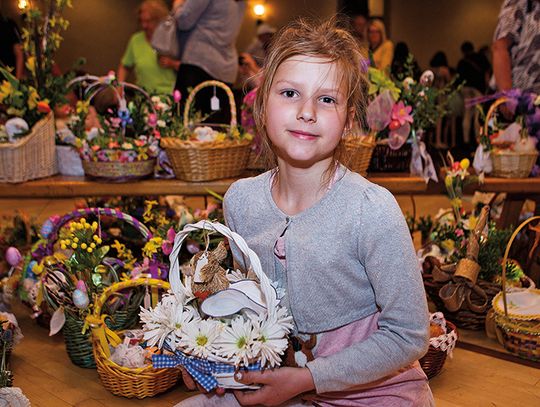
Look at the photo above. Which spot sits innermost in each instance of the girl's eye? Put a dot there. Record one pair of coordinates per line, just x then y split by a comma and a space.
289, 93
328, 100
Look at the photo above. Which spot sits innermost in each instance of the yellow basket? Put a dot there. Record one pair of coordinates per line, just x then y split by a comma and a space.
207, 160
507, 163
31, 157
122, 381
519, 334
357, 153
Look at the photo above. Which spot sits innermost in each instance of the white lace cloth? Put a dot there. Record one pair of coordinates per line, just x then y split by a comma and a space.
13, 397
447, 341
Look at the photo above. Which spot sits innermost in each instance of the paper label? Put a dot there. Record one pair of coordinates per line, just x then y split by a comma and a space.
214, 103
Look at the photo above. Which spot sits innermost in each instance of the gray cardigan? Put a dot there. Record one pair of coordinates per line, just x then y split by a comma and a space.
207, 34
348, 256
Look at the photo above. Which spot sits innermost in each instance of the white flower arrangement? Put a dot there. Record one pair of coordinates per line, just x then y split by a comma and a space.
241, 325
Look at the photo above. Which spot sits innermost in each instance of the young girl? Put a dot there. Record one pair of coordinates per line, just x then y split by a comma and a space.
337, 243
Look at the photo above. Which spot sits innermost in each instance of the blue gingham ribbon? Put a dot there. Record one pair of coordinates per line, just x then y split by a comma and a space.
201, 370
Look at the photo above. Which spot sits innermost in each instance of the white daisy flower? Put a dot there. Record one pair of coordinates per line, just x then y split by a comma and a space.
164, 322
271, 337
236, 341
199, 337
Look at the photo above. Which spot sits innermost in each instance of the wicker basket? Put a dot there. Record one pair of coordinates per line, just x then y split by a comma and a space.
116, 171
78, 345
31, 157
122, 381
384, 159
207, 160
439, 347
519, 332
358, 152
464, 318
507, 163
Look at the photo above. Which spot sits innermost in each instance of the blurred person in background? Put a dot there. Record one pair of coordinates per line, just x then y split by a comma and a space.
207, 35
157, 74
516, 46
11, 52
258, 47
382, 48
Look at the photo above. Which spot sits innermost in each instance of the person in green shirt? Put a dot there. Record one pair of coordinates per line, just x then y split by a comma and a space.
157, 74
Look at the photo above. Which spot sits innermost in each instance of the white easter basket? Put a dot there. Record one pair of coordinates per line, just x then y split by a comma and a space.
222, 369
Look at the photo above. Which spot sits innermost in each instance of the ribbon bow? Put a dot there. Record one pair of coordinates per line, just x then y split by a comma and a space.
202, 371
461, 277
102, 332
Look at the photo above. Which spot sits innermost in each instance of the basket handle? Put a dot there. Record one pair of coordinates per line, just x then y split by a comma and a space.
79, 213
491, 112
96, 321
505, 257
205, 84
174, 274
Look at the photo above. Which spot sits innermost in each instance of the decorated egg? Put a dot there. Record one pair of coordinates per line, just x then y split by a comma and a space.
13, 256
426, 79
15, 126
80, 296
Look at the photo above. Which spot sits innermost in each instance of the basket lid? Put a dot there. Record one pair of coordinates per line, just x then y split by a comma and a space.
522, 304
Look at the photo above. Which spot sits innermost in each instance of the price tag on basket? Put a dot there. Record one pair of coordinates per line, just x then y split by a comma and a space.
214, 101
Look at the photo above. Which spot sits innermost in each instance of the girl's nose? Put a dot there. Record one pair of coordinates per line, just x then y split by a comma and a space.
307, 112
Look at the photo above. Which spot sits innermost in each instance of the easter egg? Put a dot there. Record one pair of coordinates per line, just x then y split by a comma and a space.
426, 79
13, 256
80, 299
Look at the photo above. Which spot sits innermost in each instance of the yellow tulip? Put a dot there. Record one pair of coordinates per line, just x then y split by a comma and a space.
465, 163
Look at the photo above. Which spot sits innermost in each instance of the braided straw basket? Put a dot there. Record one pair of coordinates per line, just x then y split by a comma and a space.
116, 171
123, 381
517, 312
207, 160
508, 163
31, 157
358, 152
78, 345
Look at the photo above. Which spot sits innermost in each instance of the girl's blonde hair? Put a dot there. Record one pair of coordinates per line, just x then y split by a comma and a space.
329, 40
156, 8
379, 26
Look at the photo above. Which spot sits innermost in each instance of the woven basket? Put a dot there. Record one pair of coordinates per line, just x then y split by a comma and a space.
384, 159
78, 345
31, 157
507, 163
358, 152
432, 362
116, 171
122, 381
464, 318
207, 160
219, 371
519, 333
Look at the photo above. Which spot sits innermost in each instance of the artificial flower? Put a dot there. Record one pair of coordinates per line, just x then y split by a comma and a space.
237, 340
401, 113
270, 337
199, 337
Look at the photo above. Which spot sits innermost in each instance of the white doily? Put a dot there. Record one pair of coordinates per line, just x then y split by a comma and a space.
13, 397
447, 341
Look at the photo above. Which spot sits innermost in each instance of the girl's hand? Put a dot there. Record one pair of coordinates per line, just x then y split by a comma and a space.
191, 384
279, 385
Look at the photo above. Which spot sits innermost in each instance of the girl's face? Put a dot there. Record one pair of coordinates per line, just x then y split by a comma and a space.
306, 110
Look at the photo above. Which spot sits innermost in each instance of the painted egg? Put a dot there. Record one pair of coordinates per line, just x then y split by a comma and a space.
427, 77
13, 256
15, 126
80, 299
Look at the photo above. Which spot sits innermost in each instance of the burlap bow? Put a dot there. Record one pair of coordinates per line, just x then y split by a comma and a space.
461, 277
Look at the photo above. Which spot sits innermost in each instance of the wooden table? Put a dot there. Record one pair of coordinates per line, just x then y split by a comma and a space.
68, 187
517, 191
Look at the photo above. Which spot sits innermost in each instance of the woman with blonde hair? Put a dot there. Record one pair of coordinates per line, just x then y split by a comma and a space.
155, 73
381, 47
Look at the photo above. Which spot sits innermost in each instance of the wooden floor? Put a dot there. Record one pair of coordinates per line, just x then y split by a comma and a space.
44, 373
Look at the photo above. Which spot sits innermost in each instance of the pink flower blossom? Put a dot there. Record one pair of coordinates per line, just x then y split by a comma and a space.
152, 120
402, 113
177, 96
